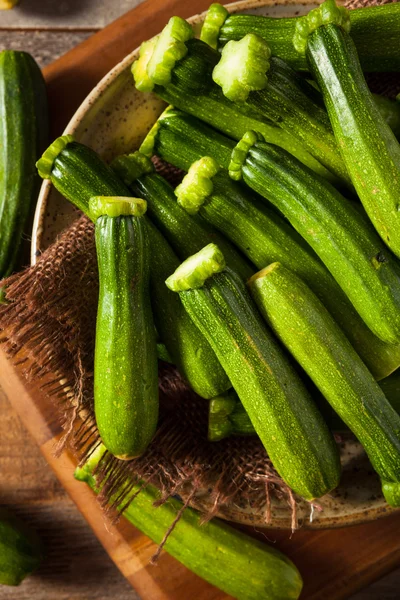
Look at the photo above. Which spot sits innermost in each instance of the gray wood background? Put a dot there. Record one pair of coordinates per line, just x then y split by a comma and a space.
76, 566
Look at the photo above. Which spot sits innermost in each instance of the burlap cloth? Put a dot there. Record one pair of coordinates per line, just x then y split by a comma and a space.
50, 321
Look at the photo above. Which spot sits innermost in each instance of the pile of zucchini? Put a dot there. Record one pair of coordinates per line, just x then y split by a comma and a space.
270, 276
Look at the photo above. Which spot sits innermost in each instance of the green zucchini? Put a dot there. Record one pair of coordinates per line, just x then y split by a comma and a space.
192, 89
23, 136
125, 362
79, 173
306, 328
214, 550
21, 550
289, 425
339, 233
375, 31
186, 235
227, 416
247, 74
368, 146
260, 233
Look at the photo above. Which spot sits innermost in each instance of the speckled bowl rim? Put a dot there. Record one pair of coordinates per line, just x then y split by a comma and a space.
231, 513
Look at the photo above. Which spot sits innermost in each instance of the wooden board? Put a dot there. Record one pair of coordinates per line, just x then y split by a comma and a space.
334, 564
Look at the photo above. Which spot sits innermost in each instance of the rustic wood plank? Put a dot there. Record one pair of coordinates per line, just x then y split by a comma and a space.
45, 46
65, 14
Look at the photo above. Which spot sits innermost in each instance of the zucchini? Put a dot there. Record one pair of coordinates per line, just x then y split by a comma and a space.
375, 31
186, 235
339, 233
79, 173
192, 89
306, 328
23, 136
125, 361
260, 233
21, 550
247, 74
288, 423
214, 550
368, 146
227, 416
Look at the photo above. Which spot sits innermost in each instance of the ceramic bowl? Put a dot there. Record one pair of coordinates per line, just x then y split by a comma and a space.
114, 119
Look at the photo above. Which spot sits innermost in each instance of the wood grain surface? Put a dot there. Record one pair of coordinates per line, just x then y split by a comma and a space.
334, 564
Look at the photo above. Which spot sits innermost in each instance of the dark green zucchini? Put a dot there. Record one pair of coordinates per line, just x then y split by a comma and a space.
340, 234
125, 362
21, 550
23, 136
79, 173
214, 551
190, 87
227, 416
260, 233
375, 31
306, 328
288, 423
368, 146
186, 235
248, 74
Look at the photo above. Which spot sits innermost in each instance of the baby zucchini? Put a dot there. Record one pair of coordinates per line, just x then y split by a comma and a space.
214, 550
288, 423
306, 328
368, 146
125, 363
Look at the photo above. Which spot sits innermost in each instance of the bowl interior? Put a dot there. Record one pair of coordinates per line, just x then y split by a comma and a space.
114, 119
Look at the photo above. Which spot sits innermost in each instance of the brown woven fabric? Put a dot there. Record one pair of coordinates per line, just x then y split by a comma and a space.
50, 321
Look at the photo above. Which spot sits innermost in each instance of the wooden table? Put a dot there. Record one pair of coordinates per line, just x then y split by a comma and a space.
76, 566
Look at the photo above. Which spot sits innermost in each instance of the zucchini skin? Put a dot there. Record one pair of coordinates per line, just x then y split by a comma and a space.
375, 31
288, 423
290, 105
79, 174
207, 102
213, 550
340, 235
125, 364
308, 331
23, 136
189, 349
187, 235
262, 235
368, 146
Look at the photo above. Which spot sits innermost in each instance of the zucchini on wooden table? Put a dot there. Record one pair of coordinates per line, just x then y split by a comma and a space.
23, 136
214, 551
21, 550
287, 421
186, 82
306, 328
79, 174
261, 233
339, 233
375, 31
125, 362
369, 148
